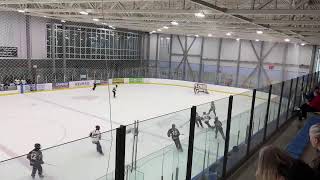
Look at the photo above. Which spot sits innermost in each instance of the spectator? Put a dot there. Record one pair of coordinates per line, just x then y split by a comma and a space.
275, 164
313, 94
314, 134
312, 106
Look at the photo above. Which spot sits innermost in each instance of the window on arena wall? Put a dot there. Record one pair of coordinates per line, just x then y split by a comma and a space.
91, 43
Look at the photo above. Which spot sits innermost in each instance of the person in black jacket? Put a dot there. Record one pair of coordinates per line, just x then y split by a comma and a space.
275, 164
36, 160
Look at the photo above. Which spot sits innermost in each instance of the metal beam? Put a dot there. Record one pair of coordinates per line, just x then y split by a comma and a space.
238, 63
18, 2
157, 55
120, 11
273, 12
234, 14
218, 63
284, 60
264, 4
170, 57
301, 3
64, 52
260, 63
201, 60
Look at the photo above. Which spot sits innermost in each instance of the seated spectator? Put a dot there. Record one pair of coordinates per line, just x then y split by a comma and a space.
312, 106
275, 164
314, 134
313, 94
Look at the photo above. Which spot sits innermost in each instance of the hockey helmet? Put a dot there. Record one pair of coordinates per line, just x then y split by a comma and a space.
97, 127
37, 146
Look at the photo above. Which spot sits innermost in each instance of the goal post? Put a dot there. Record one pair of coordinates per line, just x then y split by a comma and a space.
200, 87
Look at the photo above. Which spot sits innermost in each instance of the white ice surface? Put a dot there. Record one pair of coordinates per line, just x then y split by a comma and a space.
52, 118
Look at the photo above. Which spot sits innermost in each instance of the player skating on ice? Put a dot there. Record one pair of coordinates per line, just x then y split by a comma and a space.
206, 118
36, 160
219, 128
96, 137
198, 120
114, 91
174, 134
212, 109
94, 85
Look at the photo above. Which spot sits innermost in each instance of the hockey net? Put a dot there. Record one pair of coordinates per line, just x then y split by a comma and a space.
200, 87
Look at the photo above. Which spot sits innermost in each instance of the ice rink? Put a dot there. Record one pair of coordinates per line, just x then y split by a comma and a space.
56, 117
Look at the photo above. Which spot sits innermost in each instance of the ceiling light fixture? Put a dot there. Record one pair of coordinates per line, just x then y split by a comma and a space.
287, 40
209, 35
175, 23
83, 13
63, 21
302, 44
95, 19
168, 38
165, 27
257, 40
259, 32
159, 30
196, 35
45, 16
200, 15
238, 39
21, 11
228, 34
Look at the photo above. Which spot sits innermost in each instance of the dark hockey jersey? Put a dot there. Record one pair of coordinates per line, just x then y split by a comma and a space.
35, 157
173, 133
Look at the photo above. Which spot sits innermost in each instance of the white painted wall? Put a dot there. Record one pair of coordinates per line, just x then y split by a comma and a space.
13, 34
295, 56
38, 36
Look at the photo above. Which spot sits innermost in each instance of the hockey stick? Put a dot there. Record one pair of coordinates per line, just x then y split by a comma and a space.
49, 164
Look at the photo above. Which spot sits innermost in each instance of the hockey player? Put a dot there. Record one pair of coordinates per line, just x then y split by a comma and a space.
206, 118
94, 85
174, 134
198, 120
212, 109
114, 91
35, 158
219, 128
96, 137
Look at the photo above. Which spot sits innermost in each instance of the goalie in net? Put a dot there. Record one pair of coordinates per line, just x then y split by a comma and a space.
200, 87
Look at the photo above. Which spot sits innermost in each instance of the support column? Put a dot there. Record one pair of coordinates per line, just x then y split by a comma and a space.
53, 48
267, 115
201, 60
284, 60
64, 52
218, 63
157, 55
313, 58
28, 43
185, 55
148, 55
191, 142
226, 145
251, 121
238, 64
260, 64
170, 57
120, 153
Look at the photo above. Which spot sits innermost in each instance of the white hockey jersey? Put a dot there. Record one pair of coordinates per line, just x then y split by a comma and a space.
95, 136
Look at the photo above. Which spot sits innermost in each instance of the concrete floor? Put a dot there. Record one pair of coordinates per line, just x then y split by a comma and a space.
247, 171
